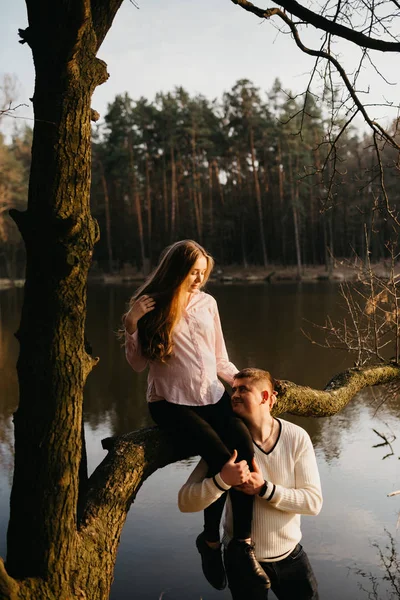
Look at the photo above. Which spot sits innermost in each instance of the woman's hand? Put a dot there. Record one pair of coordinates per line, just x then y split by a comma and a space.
139, 308
254, 482
235, 473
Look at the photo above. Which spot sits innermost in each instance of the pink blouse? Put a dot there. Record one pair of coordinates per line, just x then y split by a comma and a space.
190, 376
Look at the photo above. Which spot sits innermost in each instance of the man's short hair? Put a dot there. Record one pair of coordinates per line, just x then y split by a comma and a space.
256, 375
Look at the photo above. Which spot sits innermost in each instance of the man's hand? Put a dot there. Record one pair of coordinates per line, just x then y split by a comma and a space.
254, 483
234, 473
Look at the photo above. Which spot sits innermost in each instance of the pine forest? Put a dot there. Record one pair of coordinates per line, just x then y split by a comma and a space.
253, 176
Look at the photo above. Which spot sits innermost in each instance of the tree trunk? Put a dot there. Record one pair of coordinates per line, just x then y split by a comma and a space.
328, 239
137, 204
173, 193
196, 196
148, 205
312, 228
138, 210
107, 214
220, 188
281, 201
294, 193
258, 199
240, 202
165, 196
210, 202
59, 235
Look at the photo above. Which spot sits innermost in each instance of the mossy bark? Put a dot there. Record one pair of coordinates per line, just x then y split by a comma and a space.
308, 402
59, 234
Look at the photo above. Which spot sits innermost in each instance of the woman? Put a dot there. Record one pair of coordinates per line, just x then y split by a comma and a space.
174, 327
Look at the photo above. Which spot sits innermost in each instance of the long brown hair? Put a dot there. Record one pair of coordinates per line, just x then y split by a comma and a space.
165, 285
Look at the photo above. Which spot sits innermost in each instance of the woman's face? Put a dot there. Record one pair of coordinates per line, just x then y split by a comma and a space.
196, 275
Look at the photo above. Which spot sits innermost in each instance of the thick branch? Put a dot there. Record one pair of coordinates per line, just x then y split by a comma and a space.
8, 585
307, 402
131, 459
323, 23
103, 13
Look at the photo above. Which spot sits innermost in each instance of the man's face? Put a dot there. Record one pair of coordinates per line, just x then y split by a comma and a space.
247, 396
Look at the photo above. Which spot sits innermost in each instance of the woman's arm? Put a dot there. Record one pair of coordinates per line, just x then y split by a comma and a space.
225, 369
133, 352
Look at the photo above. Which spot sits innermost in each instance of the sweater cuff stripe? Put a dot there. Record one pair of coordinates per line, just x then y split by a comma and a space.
218, 486
272, 493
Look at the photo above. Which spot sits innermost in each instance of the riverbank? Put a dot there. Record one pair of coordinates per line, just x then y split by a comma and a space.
258, 274
239, 274
5, 284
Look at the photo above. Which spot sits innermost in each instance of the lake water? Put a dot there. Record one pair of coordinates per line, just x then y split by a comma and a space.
262, 324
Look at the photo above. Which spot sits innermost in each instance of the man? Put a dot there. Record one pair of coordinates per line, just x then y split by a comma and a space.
285, 483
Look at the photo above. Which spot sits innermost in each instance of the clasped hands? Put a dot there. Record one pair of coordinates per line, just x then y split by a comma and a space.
239, 476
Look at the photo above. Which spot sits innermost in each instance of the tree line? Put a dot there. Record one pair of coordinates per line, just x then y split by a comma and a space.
14, 173
254, 177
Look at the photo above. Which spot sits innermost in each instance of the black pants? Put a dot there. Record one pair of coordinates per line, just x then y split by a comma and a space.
291, 579
215, 431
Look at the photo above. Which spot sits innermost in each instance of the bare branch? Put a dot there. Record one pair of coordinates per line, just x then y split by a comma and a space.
7, 112
323, 23
382, 182
331, 59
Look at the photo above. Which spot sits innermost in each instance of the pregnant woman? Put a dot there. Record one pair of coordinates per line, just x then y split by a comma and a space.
173, 327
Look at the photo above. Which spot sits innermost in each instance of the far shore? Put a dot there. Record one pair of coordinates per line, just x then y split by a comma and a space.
239, 274
257, 274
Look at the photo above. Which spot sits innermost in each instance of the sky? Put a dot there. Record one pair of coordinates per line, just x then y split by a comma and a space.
203, 46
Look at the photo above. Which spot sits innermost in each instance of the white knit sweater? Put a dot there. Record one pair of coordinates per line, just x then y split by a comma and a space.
294, 488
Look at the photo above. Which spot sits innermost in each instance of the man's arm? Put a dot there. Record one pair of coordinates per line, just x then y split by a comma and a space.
200, 491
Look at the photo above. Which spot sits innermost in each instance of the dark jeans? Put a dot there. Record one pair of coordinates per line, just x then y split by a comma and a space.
214, 431
291, 579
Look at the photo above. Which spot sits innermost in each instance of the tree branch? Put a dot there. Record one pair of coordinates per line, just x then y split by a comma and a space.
331, 59
307, 402
323, 23
8, 586
388, 208
114, 484
131, 459
103, 13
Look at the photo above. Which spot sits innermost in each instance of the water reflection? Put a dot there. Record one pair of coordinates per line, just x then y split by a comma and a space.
10, 305
262, 327
386, 585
